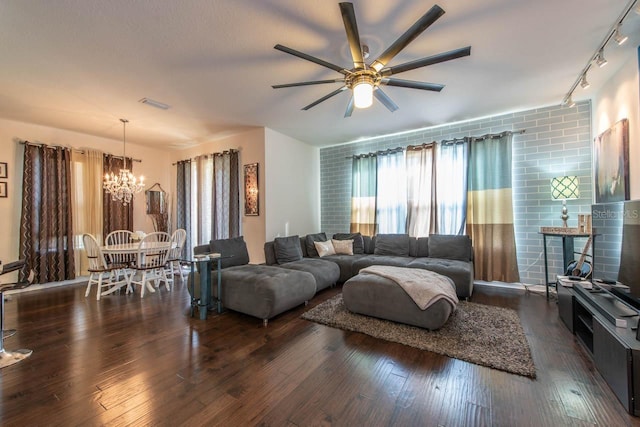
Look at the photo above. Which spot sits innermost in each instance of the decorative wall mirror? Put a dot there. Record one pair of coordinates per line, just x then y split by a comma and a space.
156, 200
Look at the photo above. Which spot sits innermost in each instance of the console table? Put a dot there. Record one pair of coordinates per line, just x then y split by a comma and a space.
591, 315
568, 251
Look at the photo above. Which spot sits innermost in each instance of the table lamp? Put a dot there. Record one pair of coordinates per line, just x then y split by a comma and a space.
565, 188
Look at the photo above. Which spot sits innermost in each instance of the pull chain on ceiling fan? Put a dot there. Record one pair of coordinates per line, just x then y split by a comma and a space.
364, 80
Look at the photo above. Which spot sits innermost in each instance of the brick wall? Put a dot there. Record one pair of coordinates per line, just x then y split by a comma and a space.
557, 142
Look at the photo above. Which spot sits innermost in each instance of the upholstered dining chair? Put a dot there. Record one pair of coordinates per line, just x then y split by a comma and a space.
149, 263
103, 274
178, 239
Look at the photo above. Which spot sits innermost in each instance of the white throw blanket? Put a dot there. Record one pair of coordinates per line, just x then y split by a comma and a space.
423, 286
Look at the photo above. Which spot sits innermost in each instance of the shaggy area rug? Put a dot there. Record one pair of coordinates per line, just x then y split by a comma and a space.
481, 334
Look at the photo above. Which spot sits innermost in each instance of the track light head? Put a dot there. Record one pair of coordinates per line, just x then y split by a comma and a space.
619, 37
584, 84
569, 102
600, 59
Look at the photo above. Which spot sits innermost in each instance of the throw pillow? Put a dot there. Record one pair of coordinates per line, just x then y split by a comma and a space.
343, 247
358, 241
287, 249
309, 241
450, 247
392, 244
235, 248
324, 248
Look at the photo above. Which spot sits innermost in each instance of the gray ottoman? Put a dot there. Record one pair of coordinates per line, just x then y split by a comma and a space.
264, 291
380, 297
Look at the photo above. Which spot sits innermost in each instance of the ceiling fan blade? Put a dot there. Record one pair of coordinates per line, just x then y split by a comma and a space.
416, 29
351, 27
435, 59
412, 84
324, 98
384, 98
349, 110
311, 58
314, 82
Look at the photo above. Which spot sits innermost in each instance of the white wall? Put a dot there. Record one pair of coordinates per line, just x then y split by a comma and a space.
619, 99
152, 167
292, 186
251, 147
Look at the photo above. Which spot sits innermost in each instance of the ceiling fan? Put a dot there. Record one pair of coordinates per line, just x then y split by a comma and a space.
365, 80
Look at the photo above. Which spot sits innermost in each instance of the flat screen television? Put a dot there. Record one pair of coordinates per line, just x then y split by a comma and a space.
616, 257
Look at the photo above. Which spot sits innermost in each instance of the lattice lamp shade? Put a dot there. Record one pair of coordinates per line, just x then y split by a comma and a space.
565, 188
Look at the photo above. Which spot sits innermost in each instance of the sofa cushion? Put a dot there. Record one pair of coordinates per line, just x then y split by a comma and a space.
287, 249
325, 273
358, 241
202, 249
324, 248
450, 247
422, 247
235, 248
309, 241
392, 244
342, 247
369, 260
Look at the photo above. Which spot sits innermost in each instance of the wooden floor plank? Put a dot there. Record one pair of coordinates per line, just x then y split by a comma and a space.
130, 361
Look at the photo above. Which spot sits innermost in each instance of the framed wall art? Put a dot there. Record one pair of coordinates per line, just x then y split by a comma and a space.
611, 163
3, 170
251, 202
3, 189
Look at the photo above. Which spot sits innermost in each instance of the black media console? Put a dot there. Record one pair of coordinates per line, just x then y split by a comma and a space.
592, 315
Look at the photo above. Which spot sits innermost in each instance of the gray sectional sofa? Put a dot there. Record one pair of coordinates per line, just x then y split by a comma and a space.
294, 272
449, 255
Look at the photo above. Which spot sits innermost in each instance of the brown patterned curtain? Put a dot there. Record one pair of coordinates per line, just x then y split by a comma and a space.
46, 237
226, 196
116, 216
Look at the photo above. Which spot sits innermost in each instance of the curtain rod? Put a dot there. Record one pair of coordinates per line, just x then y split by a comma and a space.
444, 141
77, 150
376, 153
222, 153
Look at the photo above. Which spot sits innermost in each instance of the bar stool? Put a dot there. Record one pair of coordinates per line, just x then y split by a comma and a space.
8, 358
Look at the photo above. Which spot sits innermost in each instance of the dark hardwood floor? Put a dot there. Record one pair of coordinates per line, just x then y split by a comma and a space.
131, 361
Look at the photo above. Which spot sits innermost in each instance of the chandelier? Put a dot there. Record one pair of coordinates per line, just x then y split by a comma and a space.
123, 186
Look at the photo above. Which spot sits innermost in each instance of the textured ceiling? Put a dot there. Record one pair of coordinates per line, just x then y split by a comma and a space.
82, 64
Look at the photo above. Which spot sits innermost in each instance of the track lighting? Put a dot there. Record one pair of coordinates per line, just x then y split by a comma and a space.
583, 82
569, 102
619, 37
600, 59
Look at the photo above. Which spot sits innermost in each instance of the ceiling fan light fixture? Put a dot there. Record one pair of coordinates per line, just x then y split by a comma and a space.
363, 92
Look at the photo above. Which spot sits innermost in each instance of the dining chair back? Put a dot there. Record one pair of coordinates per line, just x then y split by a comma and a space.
178, 239
120, 237
150, 260
101, 273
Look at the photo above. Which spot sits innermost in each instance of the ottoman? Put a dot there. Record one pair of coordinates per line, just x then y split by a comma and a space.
377, 296
261, 291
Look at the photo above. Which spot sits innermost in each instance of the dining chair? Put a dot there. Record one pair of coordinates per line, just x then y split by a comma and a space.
120, 237
105, 275
178, 239
150, 260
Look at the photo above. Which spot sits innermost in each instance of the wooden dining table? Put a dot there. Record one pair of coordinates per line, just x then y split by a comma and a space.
134, 248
